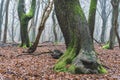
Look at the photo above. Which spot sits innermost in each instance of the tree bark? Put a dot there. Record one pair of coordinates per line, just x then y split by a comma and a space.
54, 26
104, 19
91, 19
24, 19
6, 22
1, 17
115, 5
80, 56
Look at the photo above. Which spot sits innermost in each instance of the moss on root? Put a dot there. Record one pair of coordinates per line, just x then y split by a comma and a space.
25, 45
71, 69
61, 65
102, 70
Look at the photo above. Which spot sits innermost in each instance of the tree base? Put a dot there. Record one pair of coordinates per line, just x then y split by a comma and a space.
84, 63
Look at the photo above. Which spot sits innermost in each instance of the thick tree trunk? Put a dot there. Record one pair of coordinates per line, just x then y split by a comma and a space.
80, 56
115, 4
24, 19
92, 14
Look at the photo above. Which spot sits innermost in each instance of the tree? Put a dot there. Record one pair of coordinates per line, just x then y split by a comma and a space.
12, 31
104, 14
80, 56
1, 17
45, 16
24, 19
92, 14
54, 26
35, 21
113, 31
6, 21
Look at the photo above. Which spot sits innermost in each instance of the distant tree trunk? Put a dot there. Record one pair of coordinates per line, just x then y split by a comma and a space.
104, 20
80, 56
91, 19
117, 34
12, 26
54, 26
115, 5
24, 19
1, 17
6, 22
35, 21
45, 16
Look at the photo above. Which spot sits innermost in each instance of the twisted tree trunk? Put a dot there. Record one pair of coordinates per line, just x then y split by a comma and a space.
24, 19
80, 56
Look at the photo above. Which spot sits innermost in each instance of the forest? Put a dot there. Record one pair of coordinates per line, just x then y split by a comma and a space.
59, 40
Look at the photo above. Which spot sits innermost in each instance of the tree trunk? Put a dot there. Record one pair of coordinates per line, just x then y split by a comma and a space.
12, 25
104, 20
6, 22
80, 56
24, 19
45, 16
115, 5
1, 17
91, 19
54, 26
35, 21
117, 34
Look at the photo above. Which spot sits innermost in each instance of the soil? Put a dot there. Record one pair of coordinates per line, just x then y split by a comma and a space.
16, 65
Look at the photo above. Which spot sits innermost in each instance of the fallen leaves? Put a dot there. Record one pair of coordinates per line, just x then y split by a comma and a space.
40, 67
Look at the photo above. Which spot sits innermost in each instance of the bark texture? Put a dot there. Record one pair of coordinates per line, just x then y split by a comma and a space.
92, 14
24, 19
113, 32
1, 17
80, 56
6, 22
104, 19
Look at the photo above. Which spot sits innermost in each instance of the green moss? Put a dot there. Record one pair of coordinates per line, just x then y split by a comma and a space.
93, 5
102, 70
30, 44
24, 46
66, 59
78, 10
106, 46
60, 66
71, 69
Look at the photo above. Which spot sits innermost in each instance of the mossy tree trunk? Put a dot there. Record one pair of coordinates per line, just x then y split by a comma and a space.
80, 56
24, 19
92, 14
115, 5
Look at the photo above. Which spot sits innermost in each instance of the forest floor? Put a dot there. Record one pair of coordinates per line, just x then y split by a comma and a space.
15, 65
